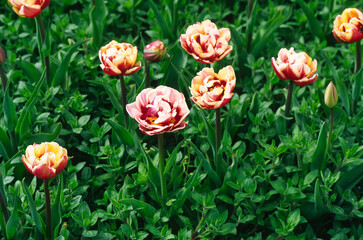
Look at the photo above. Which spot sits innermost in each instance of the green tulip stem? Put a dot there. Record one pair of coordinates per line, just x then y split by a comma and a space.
161, 169
358, 62
329, 137
123, 99
41, 29
3, 78
218, 137
47, 209
147, 74
288, 99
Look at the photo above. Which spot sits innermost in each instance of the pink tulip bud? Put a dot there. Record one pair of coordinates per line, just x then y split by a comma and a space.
45, 160
119, 59
159, 110
213, 90
348, 27
2, 56
30, 9
206, 43
298, 67
331, 95
154, 51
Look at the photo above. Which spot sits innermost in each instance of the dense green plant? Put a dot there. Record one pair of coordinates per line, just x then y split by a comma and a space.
273, 183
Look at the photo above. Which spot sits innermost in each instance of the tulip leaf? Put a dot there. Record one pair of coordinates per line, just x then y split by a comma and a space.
211, 133
97, 16
61, 72
9, 111
23, 123
341, 88
161, 20
5, 147
45, 137
314, 23
30, 71
350, 178
318, 158
12, 224
171, 160
56, 208
115, 102
206, 165
121, 132
318, 201
143, 208
33, 211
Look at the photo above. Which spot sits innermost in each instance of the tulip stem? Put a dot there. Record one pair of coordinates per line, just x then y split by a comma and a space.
41, 29
3, 78
161, 168
218, 137
123, 98
47, 208
358, 62
147, 74
288, 99
329, 137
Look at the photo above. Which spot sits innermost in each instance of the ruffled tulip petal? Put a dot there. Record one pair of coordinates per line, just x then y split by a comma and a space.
348, 26
30, 9
306, 81
43, 171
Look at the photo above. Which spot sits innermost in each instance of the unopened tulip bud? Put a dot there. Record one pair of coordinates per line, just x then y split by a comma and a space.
154, 51
331, 95
2, 56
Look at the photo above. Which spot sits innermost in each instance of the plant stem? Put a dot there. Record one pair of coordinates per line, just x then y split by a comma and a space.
249, 35
218, 137
40, 24
329, 137
288, 99
161, 168
123, 99
3, 78
3, 206
47, 208
147, 74
358, 62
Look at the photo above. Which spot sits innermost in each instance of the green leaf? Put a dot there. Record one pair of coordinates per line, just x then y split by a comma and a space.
357, 86
171, 160
318, 201
293, 219
56, 208
5, 146
33, 210
30, 71
12, 225
314, 23
23, 123
311, 176
317, 162
121, 132
166, 29
143, 208
97, 16
9, 111
61, 72
45, 137
350, 178
211, 133
206, 165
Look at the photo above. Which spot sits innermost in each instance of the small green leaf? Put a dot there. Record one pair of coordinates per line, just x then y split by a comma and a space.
293, 219
171, 160
143, 208
121, 132
317, 162
12, 225
45, 137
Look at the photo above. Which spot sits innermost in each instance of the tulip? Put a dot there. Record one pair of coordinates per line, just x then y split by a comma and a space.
213, 90
119, 59
348, 27
159, 110
298, 67
28, 8
2, 56
45, 160
154, 51
331, 96
205, 42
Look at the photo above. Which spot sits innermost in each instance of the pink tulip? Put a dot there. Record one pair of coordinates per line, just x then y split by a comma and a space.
205, 42
348, 27
45, 160
154, 51
298, 67
213, 90
119, 59
28, 8
159, 110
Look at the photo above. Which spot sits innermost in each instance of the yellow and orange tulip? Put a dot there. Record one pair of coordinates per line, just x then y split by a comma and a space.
28, 8
348, 27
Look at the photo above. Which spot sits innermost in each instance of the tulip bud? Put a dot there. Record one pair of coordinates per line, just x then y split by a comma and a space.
2, 56
331, 95
154, 51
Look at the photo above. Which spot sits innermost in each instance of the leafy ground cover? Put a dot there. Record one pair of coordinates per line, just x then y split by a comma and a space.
272, 181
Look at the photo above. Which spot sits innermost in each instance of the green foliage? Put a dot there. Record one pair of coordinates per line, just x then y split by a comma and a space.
273, 182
